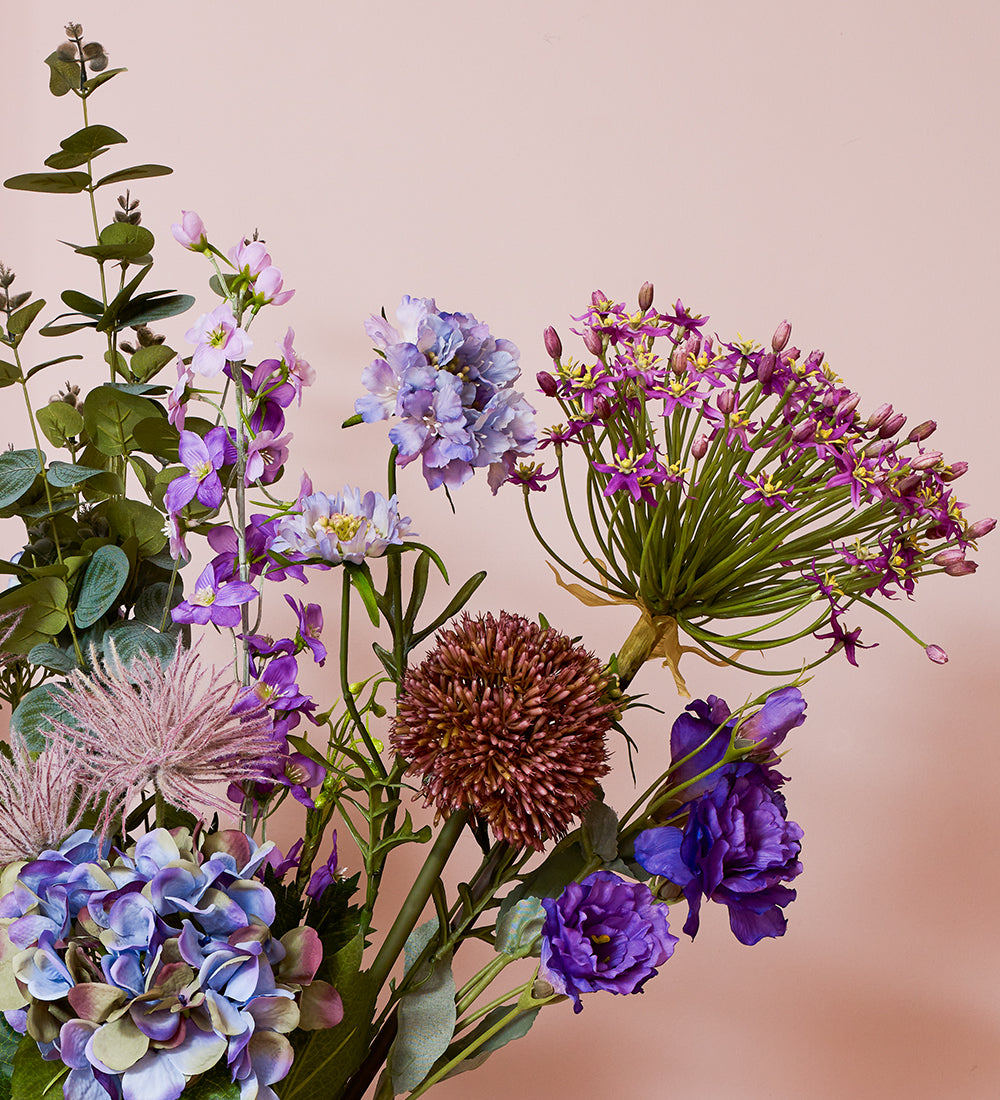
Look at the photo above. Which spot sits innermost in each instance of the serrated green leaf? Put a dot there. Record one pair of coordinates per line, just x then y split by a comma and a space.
119, 241
101, 78
103, 581
52, 183
149, 361
138, 172
44, 601
64, 75
64, 474
20, 321
110, 417
82, 303
59, 422
91, 138
426, 1014
18, 470
34, 1078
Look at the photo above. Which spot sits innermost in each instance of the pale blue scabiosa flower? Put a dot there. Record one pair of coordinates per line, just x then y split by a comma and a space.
348, 526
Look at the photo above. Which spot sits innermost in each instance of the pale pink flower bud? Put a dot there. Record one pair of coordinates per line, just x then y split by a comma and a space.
954, 471
891, 426
592, 342
926, 460
780, 337
805, 430
922, 431
553, 345
645, 296
961, 568
190, 231
950, 556
937, 654
980, 527
848, 405
699, 448
726, 402
879, 416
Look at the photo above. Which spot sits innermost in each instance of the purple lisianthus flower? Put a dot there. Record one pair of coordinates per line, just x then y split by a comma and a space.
603, 933
214, 601
203, 459
219, 340
736, 848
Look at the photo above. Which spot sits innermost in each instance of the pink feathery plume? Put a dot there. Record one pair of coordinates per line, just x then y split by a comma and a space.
39, 804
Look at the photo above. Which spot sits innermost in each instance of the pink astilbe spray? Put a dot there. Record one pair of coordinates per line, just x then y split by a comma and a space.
39, 806
169, 728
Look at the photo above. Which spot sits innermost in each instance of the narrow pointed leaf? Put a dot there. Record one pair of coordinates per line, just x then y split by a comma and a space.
138, 172
53, 183
155, 307
82, 303
20, 321
461, 598
49, 363
361, 578
101, 78
419, 586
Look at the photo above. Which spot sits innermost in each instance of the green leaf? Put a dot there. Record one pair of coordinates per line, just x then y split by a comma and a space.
51, 656
426, 1014
53, 183
9, 374
459, 601
217, 1084
64, 474
519, 928
133, 519
361, 578
34, 1078
110, 417
64, 75
101, 78
418, 588
9, 1042
45, 601
223, 286
516, 1029
106, 575
30, 720
63, 330
149, 605
91, 138
20, 322
62, 159
133, 639
18, 470
155, 307
59, 422
119, 241
109, 320
83, 303
139, 172
50, 363
600, 830
149, 361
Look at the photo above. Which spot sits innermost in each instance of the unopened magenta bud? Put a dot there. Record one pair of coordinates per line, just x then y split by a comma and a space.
980, 527
553, 345
847, 406
699, 448
780, 337
766, 367
598, 300
891, 425
961, 568
602, 407
926, 460
950, 556
592, 342
954, 471
879, 416
805, 430
937, 654
908, 484
546, 383
679, 359
922, 431
726, 402
645, 296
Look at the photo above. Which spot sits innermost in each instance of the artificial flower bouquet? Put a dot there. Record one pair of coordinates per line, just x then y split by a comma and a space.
150, 947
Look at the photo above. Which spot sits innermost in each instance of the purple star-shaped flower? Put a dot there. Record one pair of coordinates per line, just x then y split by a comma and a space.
214, 602
203, 459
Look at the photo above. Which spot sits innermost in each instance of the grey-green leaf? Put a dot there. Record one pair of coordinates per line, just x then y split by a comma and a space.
600, 829
101, 78
51, 656
18, 470
426, 1014
62, 159
519, 929
139, 172
149, 361
107, 572
53, 183
110, 417
64, 75
119, 241
133, 639
30, 720
64, 474
516, 1029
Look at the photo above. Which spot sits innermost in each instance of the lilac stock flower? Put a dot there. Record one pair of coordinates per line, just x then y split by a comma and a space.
214, 601
219, 341
203, 459
345, 527
450, 383
604, 933
190, 231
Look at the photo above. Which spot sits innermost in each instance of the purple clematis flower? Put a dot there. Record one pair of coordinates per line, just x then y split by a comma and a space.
213, 601
203, 459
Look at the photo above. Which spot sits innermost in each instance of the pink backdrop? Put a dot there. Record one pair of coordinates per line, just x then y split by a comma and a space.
833, 164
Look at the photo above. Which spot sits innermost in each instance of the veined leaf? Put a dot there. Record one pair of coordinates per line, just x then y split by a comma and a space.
60, 422
53, 183
18, 470
91, 138
64, 75
139, 172
45, 601
119, 241
20, 321
106, 574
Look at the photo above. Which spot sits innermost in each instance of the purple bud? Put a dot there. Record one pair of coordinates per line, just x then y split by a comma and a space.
645, 296
780, 337
922, 431
805, 430
937, 654
553, 345
891, 426
879, 416
766, 367
679, 359
726, 402
602, 407
699, 448
954, 471
908, 484
847, 406
546, 383
592, 342
950, 556
980, 527
597, 299
926, 460
961, 568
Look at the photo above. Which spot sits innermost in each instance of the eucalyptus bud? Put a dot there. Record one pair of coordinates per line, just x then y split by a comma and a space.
645, 296
67, 51
6, 276
780, 337
73, 30
18, 300
553, 345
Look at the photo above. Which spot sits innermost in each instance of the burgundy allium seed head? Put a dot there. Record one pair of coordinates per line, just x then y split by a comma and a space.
508, 720
171, 728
